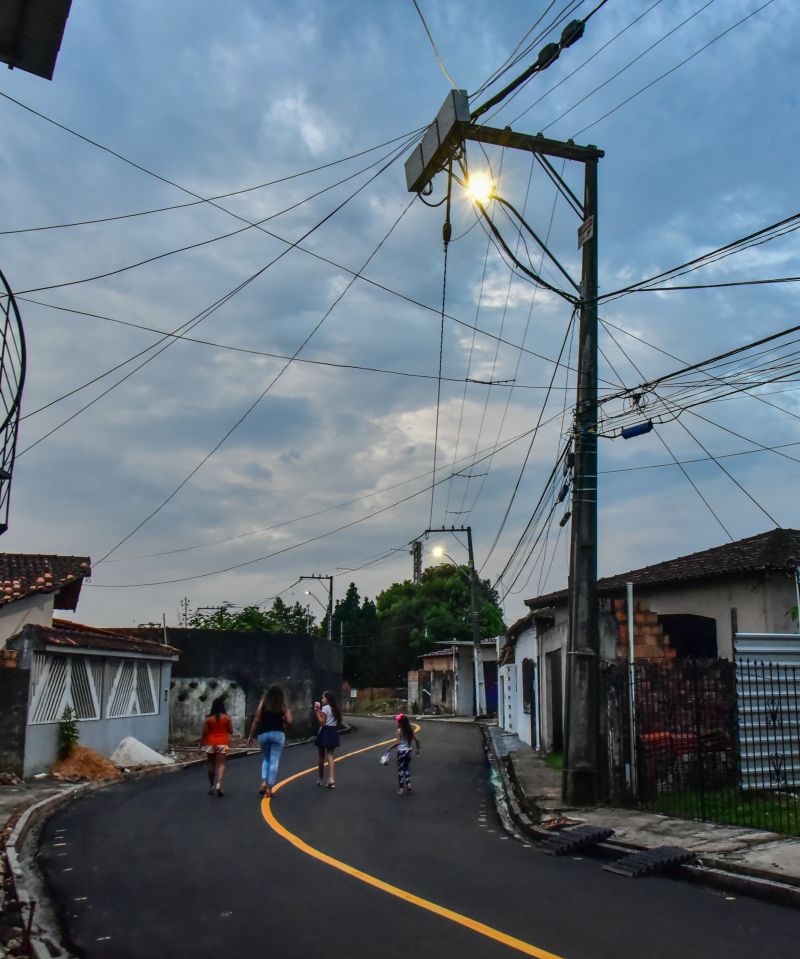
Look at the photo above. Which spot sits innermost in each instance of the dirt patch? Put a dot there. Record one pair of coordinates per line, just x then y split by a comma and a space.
84, 763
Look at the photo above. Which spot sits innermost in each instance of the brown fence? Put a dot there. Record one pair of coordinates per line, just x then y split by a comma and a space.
686, 761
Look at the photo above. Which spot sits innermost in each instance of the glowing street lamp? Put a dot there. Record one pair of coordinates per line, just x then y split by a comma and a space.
480, 188
309, 593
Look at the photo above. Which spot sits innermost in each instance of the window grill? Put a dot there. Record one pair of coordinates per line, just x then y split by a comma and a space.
61, 681
133, 690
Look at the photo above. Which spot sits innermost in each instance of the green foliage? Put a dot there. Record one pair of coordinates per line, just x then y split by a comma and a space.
555, 760
414, 619
793, 613
68, 734
355, 625
281, 618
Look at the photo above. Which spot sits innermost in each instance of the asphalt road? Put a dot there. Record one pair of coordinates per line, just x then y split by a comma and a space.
157, 868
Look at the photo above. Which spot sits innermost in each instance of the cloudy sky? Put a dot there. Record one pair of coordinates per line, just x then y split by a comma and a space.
325, 464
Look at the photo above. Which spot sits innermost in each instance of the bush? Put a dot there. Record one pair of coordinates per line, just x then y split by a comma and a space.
68, 734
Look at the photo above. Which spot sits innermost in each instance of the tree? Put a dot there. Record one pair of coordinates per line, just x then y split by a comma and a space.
355, 625
281, 618
413, 619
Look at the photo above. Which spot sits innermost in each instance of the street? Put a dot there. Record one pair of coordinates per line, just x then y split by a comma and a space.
158, 868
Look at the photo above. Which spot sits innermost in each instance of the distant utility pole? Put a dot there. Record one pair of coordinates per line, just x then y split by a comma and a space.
439, 148
330, 601
474, 615
184, 613
416, 558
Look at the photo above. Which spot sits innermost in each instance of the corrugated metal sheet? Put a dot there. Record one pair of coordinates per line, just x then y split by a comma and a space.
768, 709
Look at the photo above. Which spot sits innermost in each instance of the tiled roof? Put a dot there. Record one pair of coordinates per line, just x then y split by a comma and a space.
77, 636
24, 574
439, 653
778, 550
520, 626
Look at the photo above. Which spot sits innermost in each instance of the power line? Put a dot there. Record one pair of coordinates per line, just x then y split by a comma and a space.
207, 242
439, 60
535, 433
264, 392
293, 546
588, 60
312, 515
706, 451
628, 65
220, 196
677, 66
249, 351
204, 314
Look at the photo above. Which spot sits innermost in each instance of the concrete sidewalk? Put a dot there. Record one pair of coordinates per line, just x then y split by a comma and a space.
765, 859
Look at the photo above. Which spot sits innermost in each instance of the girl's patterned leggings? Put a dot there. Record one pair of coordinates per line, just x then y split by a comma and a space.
404, 769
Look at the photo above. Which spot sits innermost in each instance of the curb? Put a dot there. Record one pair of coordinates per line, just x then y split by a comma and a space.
42, 945
705, 871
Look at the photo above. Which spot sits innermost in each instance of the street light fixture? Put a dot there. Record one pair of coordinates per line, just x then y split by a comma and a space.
480, 187
314, 596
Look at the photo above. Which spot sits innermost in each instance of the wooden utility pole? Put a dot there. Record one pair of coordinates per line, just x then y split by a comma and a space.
330, 601
443, 140
583, 648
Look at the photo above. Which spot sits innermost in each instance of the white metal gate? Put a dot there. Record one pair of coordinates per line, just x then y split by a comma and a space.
768, 709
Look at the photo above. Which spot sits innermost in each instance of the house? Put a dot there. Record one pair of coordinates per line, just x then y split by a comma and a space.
687, 607
518, 681
118, 686
446, 681
32, 586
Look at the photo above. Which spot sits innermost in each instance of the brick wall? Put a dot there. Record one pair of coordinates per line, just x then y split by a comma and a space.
650, 642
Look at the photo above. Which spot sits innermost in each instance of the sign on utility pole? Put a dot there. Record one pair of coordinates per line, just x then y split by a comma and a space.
440, 146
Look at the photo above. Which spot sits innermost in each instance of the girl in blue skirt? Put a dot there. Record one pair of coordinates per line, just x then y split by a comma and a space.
327, 740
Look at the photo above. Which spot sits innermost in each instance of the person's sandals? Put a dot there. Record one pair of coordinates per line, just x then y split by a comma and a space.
220, 792
330, 785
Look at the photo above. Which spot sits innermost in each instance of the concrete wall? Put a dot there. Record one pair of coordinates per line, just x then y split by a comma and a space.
13, 719
190, 700
552, 642
762, 602
512, 712
36, 609
304, 666
102, 735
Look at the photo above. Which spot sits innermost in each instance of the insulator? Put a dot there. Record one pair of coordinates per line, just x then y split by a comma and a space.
548, 55
572, 31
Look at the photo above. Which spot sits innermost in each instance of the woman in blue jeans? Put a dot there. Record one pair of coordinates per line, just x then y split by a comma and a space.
271, 717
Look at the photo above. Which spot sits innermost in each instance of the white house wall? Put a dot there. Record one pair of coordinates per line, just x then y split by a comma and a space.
37, 609
515, 718
103, 735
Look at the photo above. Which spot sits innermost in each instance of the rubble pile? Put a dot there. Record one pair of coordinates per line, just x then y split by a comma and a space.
84, 763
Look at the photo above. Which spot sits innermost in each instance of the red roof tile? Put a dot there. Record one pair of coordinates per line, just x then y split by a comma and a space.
777, 550
24, 574
77, 636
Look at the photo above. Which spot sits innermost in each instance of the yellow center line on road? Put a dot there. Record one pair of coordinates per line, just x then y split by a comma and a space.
481, 928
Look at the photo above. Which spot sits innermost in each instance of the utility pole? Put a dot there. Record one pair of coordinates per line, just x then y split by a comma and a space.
583, 648
474, 614
416, 558
330, 601
441, 145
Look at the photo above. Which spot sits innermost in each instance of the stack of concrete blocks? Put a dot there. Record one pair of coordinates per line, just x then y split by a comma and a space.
650, 642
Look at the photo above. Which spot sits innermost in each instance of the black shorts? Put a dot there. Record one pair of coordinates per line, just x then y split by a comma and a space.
327, 737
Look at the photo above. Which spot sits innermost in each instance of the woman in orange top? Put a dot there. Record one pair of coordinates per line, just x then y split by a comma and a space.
217, 731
